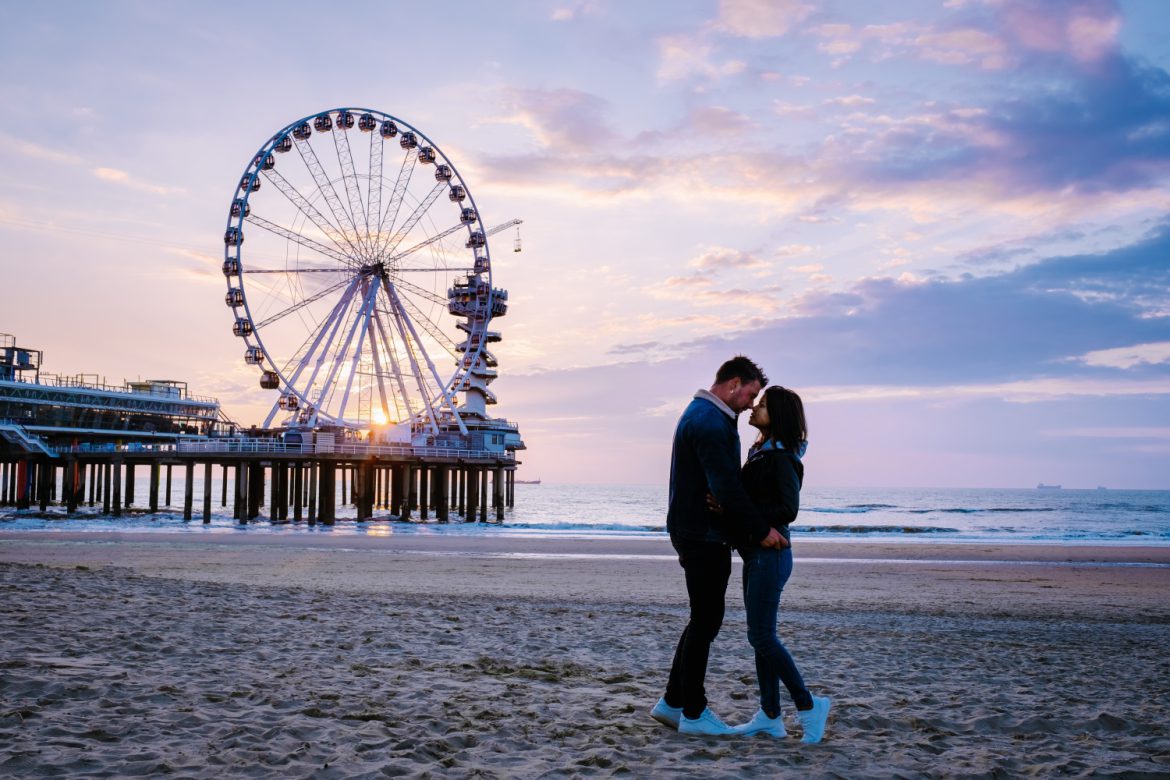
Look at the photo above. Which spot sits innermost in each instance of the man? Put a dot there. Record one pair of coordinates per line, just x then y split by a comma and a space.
705, 459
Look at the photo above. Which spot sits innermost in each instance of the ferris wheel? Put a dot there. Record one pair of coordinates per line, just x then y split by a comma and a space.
365, 276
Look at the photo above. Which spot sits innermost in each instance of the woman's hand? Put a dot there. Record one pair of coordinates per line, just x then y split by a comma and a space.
774, 539
713, 505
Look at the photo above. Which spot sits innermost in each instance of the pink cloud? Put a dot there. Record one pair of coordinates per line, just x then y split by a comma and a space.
761, 18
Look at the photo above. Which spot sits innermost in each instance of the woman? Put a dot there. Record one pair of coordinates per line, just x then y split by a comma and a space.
773, 475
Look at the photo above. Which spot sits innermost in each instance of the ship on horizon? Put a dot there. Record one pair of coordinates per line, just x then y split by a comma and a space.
1042, 486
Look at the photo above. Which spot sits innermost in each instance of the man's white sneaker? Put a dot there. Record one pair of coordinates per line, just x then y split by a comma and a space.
707, 724
762, 724
813, 721
665, 714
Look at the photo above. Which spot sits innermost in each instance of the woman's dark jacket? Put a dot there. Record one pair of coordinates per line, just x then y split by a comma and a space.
773, 478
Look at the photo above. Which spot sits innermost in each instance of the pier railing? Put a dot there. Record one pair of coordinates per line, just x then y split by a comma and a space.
248, 446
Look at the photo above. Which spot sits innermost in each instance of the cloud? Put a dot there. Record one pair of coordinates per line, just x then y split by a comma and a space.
1085, 31
1117, 432
716, 120
1108, 131
567, 120
574, 10
636, 349
761, 18
684, 56
720, 258
964, 46
121, 177
1128, 357
37, 151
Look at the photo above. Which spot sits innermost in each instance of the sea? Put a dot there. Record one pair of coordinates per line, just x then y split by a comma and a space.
911, 515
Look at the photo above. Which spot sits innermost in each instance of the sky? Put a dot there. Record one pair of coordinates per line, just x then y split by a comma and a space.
946, 224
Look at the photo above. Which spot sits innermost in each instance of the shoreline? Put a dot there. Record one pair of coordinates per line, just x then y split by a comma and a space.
1084, 583
584, 544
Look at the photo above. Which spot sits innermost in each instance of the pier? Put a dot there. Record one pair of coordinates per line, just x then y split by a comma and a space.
294, 483
79, 443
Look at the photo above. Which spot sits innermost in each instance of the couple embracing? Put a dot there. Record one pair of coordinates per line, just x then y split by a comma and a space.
714, 508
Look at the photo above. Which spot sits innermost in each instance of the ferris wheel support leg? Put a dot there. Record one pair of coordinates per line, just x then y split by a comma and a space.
364, 318
401, 322
394, 366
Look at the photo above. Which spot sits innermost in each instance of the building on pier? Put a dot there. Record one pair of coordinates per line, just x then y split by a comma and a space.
40, 411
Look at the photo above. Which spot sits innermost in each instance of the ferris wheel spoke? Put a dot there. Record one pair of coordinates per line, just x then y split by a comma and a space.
425, 243
345, 157
394, 364
251, 271
414, 217
296, 237
302, 303
364, 319
433, 270
374, 185
309, 210
339, 356
421, 292
330, 326
447, 398
402, 322
440, 338
325, 187
375, 354
396, 197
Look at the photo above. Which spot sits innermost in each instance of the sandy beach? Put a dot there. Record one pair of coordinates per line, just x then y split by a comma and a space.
413, 655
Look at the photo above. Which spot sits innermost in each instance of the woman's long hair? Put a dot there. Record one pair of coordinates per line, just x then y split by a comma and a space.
786, 422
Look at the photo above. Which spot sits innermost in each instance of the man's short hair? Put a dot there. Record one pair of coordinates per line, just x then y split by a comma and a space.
741, 368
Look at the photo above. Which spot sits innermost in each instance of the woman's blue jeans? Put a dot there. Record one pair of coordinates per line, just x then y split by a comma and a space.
765, 572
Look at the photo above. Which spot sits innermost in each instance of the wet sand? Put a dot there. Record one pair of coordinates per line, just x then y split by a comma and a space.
285, 655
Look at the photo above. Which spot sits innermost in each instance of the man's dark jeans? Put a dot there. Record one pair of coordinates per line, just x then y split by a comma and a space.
707, 566
765, 572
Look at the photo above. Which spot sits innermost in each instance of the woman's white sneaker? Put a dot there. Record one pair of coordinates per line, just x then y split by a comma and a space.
813, 721
762, 724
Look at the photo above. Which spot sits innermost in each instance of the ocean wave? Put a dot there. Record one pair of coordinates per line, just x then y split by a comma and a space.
1151, 508
861, 509
872, 529
586, 527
